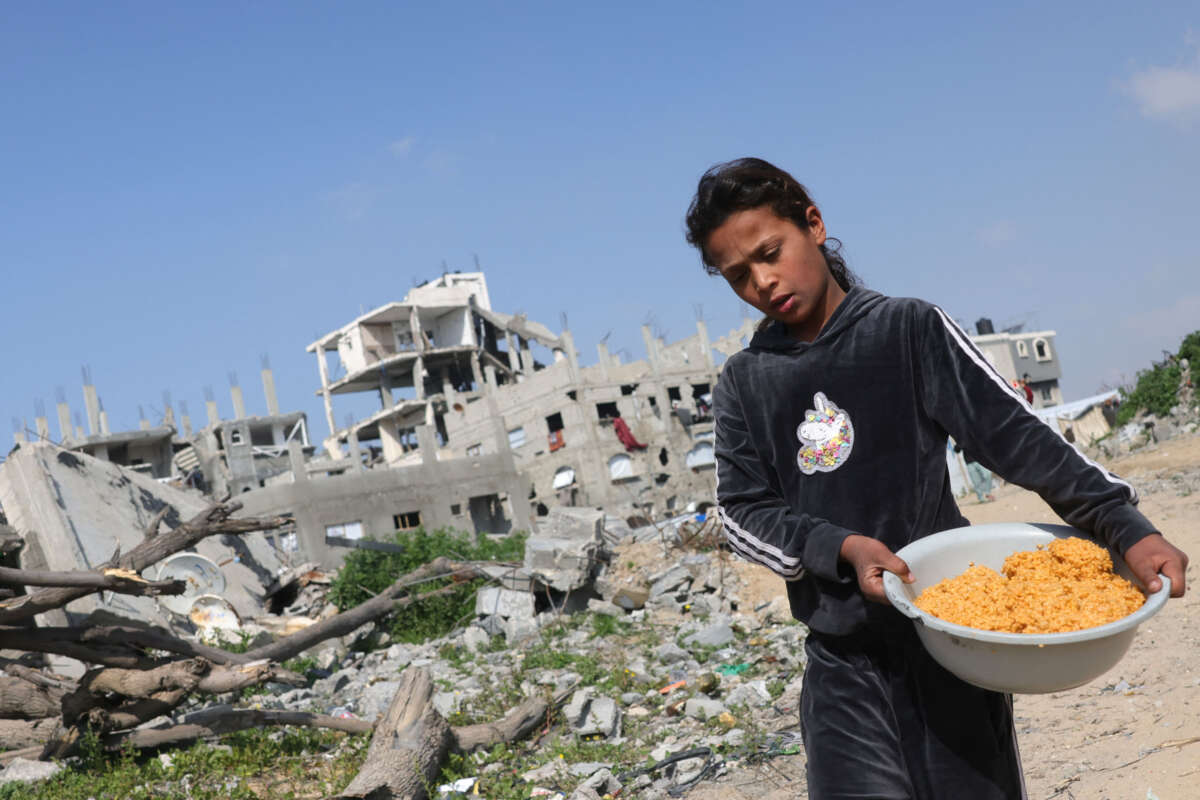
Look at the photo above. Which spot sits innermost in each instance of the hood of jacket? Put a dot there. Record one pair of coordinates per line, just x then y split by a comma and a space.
857, 302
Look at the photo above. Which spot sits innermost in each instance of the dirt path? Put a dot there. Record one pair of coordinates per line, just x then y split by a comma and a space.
1134, 732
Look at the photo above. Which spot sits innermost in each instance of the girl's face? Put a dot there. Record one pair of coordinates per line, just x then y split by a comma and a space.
778, 267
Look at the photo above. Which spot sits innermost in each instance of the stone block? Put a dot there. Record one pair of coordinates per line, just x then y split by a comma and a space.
501, 602
630, 596
598, 606
702, 708
589, 715
717, 635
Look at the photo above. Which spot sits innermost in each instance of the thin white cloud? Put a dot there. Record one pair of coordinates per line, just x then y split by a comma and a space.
1166, 92
998, 233
352, 200
402, 147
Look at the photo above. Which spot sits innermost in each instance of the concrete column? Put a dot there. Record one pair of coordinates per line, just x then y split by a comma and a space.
385, 391
186, 422
105, 430
210, 406
268, 382
323, 368
418, 374
602, 351
355, 450
514, 356
91, 406
418, 335
447, 388
19, 437
296, 461
43, 428
572, 356
526, 356
705, 348
64, 422
477, 372
427, 444
490, 372
239, 402
393, 448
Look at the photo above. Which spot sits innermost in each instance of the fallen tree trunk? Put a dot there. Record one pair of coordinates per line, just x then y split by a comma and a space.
408, 747
18, 733
22, 699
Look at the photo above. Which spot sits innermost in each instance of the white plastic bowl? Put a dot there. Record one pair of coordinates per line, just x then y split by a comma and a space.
1020, 663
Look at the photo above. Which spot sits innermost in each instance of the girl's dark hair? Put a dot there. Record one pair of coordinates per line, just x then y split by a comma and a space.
746, 183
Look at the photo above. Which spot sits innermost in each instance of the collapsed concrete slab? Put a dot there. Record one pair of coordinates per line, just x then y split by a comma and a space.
75, 511
568, 549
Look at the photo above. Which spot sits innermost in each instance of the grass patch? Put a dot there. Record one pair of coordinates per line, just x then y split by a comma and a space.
294, 763
365, 573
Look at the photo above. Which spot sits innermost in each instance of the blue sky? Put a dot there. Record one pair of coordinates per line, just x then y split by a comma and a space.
186, 189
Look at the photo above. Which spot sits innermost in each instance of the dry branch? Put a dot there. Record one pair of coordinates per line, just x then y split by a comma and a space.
212, 521
220, 721
121, 582
383, 603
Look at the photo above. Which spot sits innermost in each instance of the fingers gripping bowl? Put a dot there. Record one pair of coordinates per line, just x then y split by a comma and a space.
1027, 663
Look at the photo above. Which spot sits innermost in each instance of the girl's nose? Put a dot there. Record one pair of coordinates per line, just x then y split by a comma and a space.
765, 279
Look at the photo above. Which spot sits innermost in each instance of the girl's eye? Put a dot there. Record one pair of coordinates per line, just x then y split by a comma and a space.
738, 276
770, 255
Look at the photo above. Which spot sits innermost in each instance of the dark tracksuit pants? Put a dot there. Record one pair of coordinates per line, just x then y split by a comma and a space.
859, 693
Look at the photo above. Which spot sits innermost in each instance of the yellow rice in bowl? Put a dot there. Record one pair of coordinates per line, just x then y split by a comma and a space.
1068, 585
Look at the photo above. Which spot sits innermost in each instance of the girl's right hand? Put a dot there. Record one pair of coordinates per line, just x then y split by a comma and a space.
870, 559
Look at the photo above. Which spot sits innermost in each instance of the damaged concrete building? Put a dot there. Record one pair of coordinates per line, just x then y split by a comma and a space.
475, 431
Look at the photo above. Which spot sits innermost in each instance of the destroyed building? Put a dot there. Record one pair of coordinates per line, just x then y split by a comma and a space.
475, 431
1016, 354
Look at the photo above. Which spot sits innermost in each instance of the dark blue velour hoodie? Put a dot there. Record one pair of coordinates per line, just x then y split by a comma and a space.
847, 434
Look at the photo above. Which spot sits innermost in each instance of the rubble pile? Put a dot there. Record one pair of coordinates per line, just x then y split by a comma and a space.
663, 659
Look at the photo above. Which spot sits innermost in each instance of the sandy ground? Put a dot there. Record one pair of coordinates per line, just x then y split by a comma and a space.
1133, 733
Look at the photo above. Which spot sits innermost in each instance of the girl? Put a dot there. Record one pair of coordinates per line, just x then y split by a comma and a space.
830, 441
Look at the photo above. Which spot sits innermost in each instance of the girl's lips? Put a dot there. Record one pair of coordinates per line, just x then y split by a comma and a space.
785, 305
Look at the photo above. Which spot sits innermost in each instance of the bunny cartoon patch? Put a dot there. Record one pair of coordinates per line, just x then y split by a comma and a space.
826, 437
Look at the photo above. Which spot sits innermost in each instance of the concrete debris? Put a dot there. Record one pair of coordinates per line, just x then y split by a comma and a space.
590, 715
75, 511
751, 670
506, 603
26, 771
568, 549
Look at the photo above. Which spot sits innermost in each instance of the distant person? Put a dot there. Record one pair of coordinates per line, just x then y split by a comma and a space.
830, 447
979, 475
1025, 387
1109, 410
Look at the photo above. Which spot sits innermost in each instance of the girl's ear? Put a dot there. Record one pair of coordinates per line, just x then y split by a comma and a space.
816, 225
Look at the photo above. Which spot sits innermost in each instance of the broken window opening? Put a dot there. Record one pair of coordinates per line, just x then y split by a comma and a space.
673, 393
475, 450
542, 511
455, 509
607, 410
344, 530
554, 422
628, 388
235, 436
663, 458
574, 395
407, 521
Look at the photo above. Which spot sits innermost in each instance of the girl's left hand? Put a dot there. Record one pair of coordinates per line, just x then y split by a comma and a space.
870, 559
1153, 554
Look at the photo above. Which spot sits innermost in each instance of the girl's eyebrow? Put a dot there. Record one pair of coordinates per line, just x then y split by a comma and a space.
759, 251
